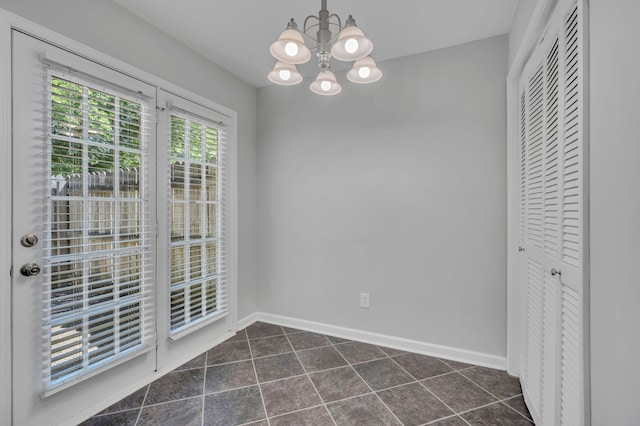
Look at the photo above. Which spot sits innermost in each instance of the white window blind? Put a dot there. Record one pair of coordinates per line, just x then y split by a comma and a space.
98, 231
197, 250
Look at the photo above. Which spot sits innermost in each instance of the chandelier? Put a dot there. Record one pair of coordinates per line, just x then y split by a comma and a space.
350, 45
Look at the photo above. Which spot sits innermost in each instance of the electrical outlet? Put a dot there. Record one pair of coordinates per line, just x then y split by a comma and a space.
364, 300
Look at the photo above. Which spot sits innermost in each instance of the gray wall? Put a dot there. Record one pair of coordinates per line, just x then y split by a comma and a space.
105, 26
521, 19
397, 189
615, 211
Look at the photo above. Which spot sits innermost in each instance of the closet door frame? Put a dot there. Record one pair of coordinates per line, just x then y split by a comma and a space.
516, 300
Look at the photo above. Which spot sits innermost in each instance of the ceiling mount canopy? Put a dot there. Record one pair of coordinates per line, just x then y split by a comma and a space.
350, 45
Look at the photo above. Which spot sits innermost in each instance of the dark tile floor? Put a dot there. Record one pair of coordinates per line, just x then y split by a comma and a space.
269, 375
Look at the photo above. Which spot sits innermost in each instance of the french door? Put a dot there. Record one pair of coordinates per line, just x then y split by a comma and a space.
119, 266
552, 231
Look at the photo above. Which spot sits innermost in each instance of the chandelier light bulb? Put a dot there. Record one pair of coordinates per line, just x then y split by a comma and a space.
325, 84
351, 46
363, 72
291, 49
285, 75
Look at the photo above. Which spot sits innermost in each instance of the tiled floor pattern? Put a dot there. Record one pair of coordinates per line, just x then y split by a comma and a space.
269, 375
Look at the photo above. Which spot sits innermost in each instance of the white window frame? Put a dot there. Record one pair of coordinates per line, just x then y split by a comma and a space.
8, 22
204, 117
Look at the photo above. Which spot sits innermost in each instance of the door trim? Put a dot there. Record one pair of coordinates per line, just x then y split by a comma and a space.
8, 22
5, 222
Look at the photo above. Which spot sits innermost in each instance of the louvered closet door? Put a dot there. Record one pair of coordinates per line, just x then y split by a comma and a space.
551, 216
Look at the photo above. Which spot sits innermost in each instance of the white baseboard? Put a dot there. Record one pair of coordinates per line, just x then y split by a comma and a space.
248, 320
445, 352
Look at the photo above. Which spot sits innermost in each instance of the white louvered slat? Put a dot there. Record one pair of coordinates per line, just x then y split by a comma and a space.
551, 189
572, 391
523, 164
535, 159
535, 330
571, 360
572, 166
550, 345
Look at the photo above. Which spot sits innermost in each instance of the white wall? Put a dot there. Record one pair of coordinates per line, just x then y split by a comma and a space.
521, 19
104, 26
615, 211
397, 189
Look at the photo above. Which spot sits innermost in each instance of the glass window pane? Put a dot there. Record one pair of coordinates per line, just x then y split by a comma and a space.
178, 137
178, 220
212, 183
95, 251
177, 264
195, 141
195, 182
211, 136
194, 224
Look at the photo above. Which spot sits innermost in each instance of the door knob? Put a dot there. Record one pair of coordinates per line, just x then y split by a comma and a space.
30, 269
520, 249
29, 240
555, 272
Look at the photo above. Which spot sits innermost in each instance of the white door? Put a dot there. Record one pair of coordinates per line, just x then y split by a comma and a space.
554, 353
120, 219
83, 233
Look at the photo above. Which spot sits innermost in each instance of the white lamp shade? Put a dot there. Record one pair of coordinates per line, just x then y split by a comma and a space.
326, 84
364, 71
285, 74
290, 48
351, 45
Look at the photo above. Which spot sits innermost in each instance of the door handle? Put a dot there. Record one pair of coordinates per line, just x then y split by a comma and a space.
29, 240
555, 272
520, 249
30, 269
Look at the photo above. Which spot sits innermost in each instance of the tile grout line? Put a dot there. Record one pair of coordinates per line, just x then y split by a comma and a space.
298, 411
459, 414
370, 388
487, 390
169, 402
264, 406
204, 385
511, 408
309, 377
427, 389
444, 418
485, 406
142, 405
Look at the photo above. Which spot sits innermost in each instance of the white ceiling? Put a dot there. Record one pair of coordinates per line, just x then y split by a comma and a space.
236, 34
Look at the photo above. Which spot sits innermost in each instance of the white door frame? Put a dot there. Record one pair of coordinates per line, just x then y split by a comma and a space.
5, 221
8, 22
